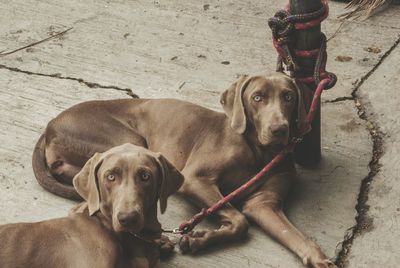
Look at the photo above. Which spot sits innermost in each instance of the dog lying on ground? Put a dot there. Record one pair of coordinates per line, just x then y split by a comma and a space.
118, 226
216, 153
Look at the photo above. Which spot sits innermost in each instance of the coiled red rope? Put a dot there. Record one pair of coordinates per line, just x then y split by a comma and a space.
282, 25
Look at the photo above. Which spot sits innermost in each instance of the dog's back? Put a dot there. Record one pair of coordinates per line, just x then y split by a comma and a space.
74, 241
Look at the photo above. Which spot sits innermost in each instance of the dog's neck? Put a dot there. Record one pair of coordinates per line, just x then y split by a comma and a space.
146, 243
151, 223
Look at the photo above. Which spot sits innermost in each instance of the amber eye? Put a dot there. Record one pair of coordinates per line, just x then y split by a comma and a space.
111, 177
144, 175
257, 98
287, 97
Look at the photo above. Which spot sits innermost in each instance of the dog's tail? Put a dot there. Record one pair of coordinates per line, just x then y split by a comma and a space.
47, 180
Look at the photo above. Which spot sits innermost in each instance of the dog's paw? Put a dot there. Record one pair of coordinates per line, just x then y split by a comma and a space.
324, 264
316, 258
165, 245
193, 241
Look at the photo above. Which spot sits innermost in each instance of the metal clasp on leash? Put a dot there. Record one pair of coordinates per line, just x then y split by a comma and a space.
297, 139
172, 231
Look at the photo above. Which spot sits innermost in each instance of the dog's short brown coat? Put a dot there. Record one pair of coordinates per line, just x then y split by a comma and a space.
216, 152
94, 237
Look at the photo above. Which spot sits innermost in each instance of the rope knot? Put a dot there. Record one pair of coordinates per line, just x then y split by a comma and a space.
280, 24
282, 27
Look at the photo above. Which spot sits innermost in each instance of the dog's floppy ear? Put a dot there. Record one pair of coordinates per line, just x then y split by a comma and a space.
232, 102
303, 103
171, 180
86, 183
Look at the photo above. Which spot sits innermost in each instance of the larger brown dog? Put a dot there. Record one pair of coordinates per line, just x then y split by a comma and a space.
121, 187
215, 152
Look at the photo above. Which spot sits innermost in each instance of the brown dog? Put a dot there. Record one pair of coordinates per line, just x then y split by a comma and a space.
215, 152
118, 228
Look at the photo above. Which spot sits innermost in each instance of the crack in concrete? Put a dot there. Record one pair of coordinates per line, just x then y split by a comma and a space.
339, 99
363, 221
128, 91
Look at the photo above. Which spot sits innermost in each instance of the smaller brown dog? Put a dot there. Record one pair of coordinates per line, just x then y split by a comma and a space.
118, 226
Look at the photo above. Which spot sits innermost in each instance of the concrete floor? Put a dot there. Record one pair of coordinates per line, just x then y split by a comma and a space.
161, 49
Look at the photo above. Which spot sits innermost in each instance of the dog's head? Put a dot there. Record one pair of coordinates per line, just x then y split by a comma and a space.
271, 105
124, 184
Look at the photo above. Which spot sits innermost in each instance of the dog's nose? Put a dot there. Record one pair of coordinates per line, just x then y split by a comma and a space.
279, 130
127, 219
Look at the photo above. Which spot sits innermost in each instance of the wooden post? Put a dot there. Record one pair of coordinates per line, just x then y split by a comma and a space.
308, 152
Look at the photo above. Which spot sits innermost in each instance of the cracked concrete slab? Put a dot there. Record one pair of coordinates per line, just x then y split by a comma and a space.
27, 103
176, 49
377, 246
313, 198
188, 43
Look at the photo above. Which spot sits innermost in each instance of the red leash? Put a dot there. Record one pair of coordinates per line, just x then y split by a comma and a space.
283, 23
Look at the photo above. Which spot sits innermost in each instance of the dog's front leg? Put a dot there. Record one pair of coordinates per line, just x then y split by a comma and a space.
234, 225
264, 207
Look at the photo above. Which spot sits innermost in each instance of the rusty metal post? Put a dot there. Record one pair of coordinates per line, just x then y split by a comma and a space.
308, 152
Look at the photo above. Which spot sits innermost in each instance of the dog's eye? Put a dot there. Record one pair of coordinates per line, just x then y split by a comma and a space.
111, 177
144, 175
287, 97
257, 98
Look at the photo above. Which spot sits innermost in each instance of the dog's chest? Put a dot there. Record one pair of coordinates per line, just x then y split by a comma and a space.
239, 172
